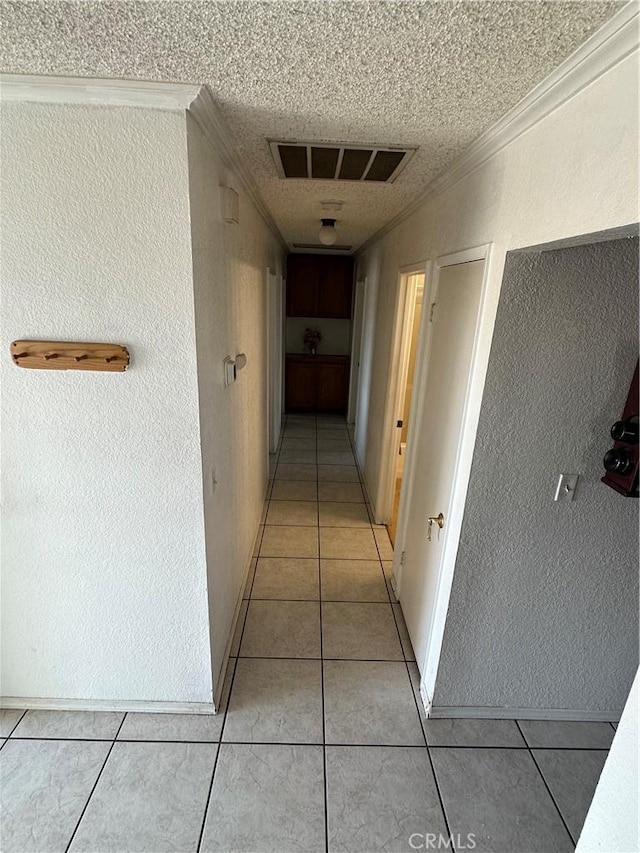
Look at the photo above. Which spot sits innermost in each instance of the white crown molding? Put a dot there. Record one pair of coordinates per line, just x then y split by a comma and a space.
206, 113
97, 92
607, 47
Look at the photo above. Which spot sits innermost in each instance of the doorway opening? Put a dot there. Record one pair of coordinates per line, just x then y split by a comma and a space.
275, 370
409, 322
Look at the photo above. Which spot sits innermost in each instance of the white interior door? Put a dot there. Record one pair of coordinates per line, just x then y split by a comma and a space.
275, 338
434, 454
356, 339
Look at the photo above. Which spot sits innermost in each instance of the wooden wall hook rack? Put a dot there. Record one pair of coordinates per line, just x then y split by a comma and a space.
70, 355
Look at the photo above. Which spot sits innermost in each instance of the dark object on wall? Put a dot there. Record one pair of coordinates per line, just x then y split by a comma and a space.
70, 355
319, 286
621, 462
316, 383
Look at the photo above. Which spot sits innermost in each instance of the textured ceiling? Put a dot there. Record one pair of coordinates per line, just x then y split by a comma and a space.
427, 74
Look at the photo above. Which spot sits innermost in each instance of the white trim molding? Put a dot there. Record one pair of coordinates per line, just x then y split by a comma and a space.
473, 712
607, 47
464, 454
97, 92
24, 703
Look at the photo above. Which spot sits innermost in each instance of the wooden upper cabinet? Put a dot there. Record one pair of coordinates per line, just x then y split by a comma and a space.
334, 289
319, 286
303, 277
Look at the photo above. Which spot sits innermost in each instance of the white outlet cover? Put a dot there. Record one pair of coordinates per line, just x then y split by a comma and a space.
566, 488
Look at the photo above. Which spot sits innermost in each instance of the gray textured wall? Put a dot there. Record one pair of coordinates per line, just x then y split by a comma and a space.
544, 605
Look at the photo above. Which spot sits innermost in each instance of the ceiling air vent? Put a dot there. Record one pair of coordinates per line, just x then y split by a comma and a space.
326, 162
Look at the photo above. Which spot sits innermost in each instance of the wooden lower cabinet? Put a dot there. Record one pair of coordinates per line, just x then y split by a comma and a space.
317, 383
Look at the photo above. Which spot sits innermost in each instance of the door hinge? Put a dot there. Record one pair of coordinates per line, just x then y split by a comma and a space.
402, 558
431, 310
399, 424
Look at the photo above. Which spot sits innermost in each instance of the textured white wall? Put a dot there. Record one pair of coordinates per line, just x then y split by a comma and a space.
576, 172
230, 286
103, 559
573, 173
612, 820
544, 604
369, 268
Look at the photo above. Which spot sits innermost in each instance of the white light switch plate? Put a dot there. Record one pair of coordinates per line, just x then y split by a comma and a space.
229, 370
566, 488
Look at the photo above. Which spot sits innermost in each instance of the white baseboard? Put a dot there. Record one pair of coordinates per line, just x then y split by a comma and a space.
489, 713
39, 703
367, 499
219, 685
394, 585
426, 700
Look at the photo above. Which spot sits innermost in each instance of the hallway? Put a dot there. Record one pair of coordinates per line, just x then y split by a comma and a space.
324, 744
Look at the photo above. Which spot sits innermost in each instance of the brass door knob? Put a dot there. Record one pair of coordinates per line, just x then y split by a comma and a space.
437, 519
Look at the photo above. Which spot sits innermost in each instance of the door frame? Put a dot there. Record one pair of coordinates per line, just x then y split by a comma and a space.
454, 512
360, 290
275, 368
396, 384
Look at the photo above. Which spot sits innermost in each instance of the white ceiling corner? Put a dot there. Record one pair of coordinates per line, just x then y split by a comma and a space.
436, 75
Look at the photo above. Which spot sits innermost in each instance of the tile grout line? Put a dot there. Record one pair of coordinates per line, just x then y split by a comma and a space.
544, 781
216, 759
236, 658
384, 577
20, 719
95, 784
267, 500
406, 664
319, 602
316, 743
415, 702
326, 600
324, 723
357, 660
355, 559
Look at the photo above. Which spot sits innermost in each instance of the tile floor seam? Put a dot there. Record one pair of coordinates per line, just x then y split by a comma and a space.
406, 663
384, 578
316, 743
95, 784
326, 600
20, 719
404, 656
426, 742
544, 782
324, 723
355, 660
220, 735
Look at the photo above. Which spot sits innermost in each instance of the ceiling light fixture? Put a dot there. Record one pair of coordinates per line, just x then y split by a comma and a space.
328, 234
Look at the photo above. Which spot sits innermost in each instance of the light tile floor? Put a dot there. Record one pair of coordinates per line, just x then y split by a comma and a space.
322, 743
